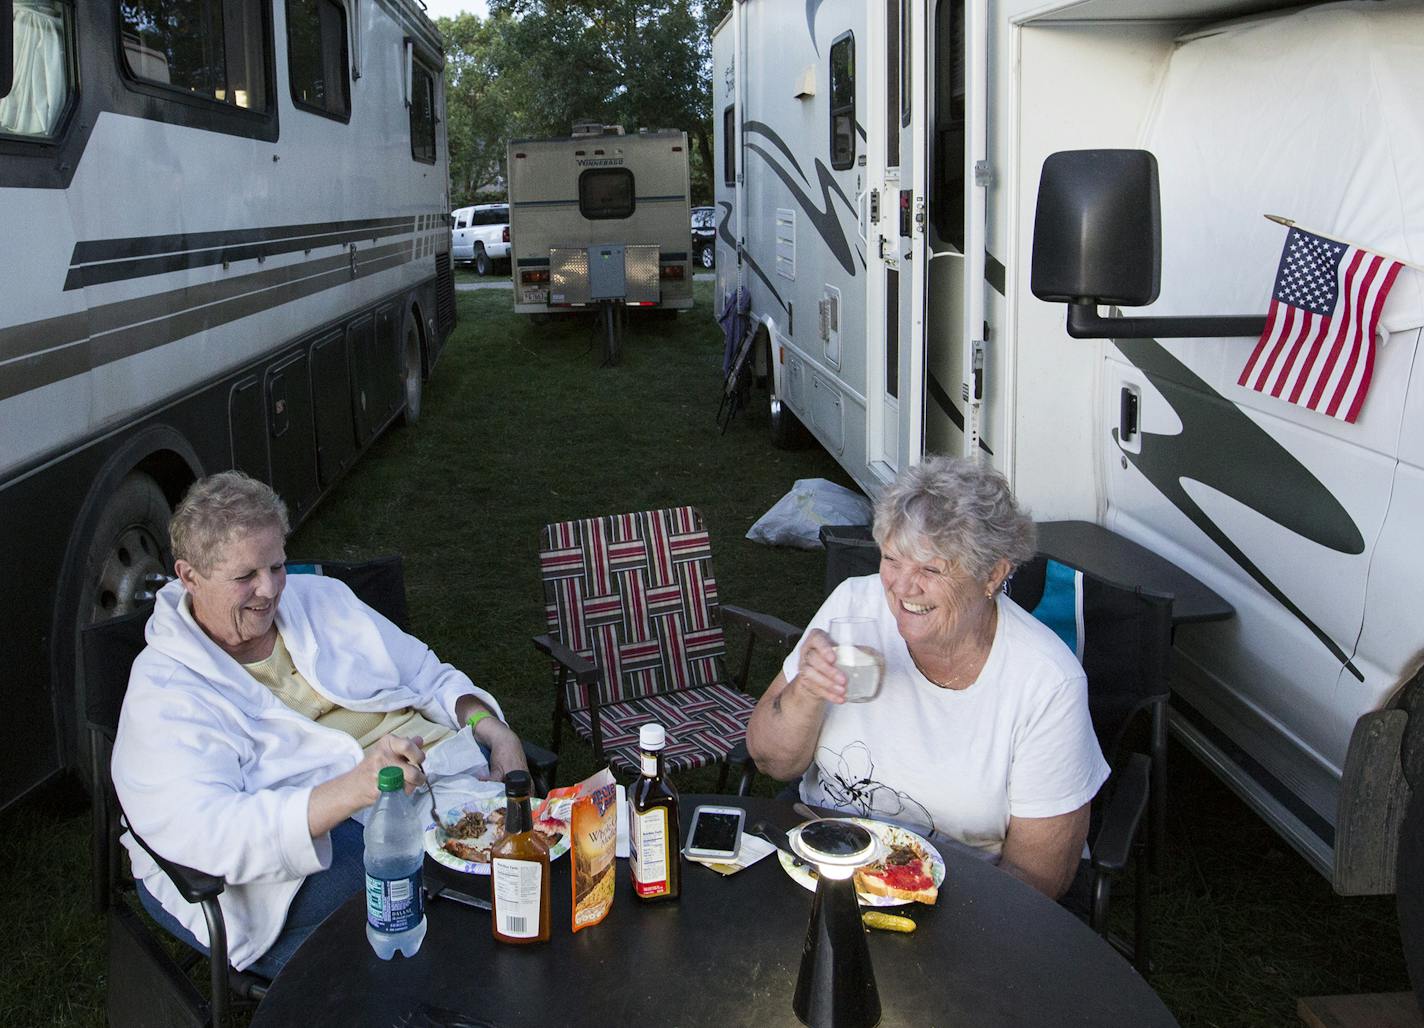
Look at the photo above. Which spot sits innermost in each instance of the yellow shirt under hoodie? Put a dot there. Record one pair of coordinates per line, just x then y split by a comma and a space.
279, 674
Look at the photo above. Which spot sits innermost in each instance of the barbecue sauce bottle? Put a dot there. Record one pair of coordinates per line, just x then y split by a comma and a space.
519, 871
654, 832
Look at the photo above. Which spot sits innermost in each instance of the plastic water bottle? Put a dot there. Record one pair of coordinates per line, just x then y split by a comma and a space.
395, 852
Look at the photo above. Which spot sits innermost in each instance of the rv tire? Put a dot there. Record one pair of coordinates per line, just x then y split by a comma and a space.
706, 258
412, 369
787, 432
126, 549
482, 261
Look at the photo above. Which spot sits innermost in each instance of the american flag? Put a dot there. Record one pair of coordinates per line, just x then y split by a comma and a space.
1318, 348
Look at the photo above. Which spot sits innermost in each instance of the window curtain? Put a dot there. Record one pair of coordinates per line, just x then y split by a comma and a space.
41, 84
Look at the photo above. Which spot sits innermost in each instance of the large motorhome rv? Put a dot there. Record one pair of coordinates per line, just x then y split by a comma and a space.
600, 216
877, 198
226, 245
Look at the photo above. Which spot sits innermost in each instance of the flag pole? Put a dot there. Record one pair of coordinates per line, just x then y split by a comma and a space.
1288, 223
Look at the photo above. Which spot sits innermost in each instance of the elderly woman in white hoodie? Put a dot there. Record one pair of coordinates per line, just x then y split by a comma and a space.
256, 721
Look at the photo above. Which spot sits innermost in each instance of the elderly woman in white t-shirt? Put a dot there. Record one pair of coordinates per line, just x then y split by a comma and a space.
980, 731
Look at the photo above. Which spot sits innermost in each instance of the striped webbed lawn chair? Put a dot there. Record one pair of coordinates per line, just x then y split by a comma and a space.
635, 633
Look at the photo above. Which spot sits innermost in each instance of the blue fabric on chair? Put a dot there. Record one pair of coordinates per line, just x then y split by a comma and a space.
1061, 605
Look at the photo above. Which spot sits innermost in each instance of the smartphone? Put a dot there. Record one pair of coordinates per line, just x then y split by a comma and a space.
716, 832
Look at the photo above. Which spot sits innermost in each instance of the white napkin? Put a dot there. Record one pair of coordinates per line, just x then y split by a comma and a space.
620, 842
457, 768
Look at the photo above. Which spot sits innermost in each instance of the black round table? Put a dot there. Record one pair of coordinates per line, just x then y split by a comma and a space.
992, 951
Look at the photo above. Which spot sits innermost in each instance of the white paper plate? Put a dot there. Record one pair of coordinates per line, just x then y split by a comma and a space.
889, 835
434, 837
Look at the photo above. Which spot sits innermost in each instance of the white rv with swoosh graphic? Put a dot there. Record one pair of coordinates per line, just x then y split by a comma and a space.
227, 245
878, 175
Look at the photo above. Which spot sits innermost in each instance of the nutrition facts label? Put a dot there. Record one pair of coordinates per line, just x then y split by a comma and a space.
649, 852
515, 884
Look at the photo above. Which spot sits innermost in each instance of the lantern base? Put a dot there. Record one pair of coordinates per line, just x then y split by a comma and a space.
836, 986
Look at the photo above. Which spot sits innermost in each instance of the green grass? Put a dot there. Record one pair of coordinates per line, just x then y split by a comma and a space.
522, 427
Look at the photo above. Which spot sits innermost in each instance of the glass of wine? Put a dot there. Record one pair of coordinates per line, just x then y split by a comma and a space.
858, 657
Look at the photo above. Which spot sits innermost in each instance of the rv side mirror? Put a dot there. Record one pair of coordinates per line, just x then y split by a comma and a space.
1097, 233
1097, 239
7, 46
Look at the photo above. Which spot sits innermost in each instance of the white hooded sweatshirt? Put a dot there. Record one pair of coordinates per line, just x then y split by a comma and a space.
215, 772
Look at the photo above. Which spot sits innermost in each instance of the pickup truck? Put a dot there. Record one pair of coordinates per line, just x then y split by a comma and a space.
479, 235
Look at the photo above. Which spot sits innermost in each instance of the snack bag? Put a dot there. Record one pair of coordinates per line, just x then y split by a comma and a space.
593, 835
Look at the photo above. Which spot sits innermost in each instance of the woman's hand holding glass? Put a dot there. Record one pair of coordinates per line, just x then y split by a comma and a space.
818, 675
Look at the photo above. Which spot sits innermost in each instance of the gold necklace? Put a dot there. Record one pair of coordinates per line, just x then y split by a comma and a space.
948, 683
953, 680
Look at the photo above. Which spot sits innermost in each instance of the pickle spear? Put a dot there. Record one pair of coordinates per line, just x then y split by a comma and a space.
887, 922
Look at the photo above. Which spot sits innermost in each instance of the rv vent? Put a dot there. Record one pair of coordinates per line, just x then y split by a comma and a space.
786, 243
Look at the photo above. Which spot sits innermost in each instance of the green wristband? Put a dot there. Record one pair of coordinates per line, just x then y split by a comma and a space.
477, 717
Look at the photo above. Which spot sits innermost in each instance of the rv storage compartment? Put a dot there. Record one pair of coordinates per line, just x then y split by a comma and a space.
568, 277
641, 272
606, 277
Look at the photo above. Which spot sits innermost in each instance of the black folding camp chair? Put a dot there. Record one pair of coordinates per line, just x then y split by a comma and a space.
148, 984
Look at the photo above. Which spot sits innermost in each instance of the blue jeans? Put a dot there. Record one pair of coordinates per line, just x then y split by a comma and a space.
318, 896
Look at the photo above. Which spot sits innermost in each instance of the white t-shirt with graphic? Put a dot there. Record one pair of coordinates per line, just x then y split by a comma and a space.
957, 763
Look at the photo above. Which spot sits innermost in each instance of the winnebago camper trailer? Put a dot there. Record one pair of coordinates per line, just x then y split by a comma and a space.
226, 245
600, 216
881, 166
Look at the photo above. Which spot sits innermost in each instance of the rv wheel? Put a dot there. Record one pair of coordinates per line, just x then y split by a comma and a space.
482, 262
411, 371
787, 432
706, 257
126, 561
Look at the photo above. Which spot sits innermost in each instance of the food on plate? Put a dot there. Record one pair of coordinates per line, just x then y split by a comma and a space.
904, 874
551, 825
887, 922
467, 850
484, 830
470, 826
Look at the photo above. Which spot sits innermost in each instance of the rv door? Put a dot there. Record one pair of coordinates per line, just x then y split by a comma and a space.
895, 236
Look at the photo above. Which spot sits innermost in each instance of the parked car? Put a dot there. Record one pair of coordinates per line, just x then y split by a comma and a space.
479, 236
704, 235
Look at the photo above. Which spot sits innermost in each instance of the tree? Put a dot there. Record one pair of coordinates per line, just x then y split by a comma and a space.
534, 67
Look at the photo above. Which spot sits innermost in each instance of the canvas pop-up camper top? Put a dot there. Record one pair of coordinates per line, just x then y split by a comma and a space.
226, 245
600, 216
877, 198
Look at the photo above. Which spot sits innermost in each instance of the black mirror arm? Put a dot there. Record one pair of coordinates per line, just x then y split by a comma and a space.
1084, 322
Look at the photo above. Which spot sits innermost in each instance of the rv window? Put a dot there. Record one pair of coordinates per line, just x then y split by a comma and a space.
316, 57
422, 114
892, 83
843, 102
40, 86
211, 49
729, 146
947, 193
606, 193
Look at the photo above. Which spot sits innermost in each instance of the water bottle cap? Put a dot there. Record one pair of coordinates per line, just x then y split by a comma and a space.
652, 737
390, 779
516, 783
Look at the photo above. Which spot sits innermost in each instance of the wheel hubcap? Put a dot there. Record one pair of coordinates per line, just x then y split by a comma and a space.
128, 573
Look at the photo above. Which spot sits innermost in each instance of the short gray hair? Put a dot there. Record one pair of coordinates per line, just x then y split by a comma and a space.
219, 509
957, 510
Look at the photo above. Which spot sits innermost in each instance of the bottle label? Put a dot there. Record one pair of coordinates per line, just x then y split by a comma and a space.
394, 905
516, 885
650, 764
648, 851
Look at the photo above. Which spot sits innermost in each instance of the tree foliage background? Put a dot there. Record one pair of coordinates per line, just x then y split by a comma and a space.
534, 67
